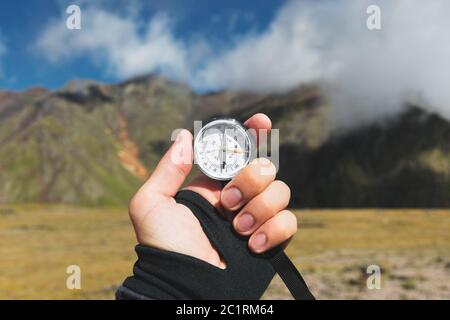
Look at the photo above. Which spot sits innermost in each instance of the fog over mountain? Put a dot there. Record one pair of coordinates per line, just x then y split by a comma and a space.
369, 74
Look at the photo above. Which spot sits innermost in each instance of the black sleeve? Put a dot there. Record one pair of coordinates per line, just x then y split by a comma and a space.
160, 274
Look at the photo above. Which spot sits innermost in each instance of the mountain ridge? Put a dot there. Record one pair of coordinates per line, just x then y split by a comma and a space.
92, 144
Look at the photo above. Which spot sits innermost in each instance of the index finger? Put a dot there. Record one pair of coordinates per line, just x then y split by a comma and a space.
259, 121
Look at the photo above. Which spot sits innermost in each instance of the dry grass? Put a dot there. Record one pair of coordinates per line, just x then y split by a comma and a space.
37, 243
333, 248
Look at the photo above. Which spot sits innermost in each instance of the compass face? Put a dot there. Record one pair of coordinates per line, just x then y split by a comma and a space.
222, 148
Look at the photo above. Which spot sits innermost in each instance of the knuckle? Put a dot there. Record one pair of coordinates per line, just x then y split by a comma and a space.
283, 189
132, 206
135, 206
249, 180
285, 234
292, 223
282, 185
286, 225
265, 167
272, 168
253, 178
264, 205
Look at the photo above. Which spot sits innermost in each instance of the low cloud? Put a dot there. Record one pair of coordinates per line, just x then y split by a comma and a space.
368, 74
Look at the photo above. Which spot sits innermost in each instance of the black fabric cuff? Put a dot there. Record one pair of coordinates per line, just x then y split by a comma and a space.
160, 274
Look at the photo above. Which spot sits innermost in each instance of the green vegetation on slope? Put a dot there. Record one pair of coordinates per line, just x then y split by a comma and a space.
93, 144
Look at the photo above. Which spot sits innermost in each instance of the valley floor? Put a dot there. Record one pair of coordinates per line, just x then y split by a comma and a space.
333, 250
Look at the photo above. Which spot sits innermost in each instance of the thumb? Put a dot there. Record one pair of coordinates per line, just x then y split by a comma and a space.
170, 173
173, 168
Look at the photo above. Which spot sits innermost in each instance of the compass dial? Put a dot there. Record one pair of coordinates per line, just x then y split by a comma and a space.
222, 148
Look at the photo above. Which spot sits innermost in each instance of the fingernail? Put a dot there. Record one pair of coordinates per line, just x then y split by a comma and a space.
231, 197
244, 222
258, 242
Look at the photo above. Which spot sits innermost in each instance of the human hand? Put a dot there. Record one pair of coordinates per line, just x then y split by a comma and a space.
253, 200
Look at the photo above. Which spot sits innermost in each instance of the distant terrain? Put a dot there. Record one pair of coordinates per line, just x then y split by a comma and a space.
93, 144
333, 249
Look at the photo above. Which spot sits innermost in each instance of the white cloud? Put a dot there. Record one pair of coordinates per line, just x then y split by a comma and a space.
369, 73
119, 43
372, 73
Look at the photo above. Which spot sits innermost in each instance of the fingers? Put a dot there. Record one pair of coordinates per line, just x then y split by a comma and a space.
264, 219
262, 208
249, 182
168, 175
208, 188
273, 232
173, 168
258, 122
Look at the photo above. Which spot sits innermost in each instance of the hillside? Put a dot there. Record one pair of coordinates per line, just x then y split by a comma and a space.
93, 144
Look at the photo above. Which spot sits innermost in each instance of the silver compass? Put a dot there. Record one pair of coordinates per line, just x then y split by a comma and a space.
222, 148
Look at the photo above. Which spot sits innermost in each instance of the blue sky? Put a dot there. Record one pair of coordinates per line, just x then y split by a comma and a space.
22, 22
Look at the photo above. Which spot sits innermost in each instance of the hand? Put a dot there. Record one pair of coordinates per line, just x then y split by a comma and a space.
253, 200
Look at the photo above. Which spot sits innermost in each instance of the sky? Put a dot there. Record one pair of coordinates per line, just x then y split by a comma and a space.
24, 22
254, 45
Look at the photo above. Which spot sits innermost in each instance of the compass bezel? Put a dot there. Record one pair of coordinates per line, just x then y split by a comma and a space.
229, 122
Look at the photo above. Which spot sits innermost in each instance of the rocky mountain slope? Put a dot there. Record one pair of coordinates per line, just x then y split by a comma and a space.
93, 144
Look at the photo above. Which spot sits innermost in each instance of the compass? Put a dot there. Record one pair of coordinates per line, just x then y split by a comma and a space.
222, 148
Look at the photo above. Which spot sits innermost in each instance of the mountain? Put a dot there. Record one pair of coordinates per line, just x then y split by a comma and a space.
403, 163
93, 144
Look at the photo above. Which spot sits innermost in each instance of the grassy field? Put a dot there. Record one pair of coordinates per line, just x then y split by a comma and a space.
333, 250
